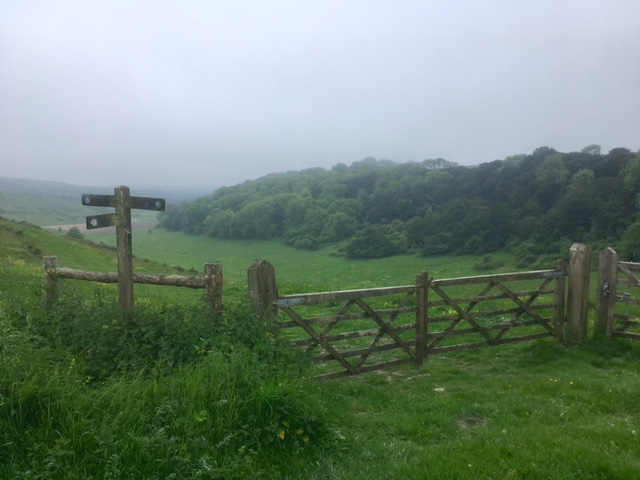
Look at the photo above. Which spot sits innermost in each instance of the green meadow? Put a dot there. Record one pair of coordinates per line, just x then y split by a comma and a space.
320, 269
183, 396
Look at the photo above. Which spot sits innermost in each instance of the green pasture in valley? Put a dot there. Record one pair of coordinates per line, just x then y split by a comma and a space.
317, 270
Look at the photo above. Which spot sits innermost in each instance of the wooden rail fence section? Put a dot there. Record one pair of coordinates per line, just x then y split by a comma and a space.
211, 282
618, 306
369, 329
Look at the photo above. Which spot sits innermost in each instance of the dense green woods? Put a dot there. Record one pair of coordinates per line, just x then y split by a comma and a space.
537, 204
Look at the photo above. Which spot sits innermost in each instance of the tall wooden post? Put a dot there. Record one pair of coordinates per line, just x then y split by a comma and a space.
123, 203
607, 291
560, 300
50, 283
213, 288
125, 254
263, 289
578, 296
422, 316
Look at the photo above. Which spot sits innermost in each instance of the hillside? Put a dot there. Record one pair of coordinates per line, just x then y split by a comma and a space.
47, 203
28, 244
535, 204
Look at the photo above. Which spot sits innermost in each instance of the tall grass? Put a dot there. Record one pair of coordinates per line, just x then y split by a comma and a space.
230, 408
178, 395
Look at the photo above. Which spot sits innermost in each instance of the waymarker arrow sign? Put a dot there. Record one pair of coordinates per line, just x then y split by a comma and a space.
99, 221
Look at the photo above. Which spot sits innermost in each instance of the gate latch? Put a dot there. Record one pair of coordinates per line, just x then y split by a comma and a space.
605, 290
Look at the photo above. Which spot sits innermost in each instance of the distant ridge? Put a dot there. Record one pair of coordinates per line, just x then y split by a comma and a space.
172, 193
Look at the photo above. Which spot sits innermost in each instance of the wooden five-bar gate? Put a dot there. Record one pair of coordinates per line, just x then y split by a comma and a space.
356, 331
618, 308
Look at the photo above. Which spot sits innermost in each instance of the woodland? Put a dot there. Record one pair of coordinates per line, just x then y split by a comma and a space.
535, 205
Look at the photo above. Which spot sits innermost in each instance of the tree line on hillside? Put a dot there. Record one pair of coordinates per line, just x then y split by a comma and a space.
536, 204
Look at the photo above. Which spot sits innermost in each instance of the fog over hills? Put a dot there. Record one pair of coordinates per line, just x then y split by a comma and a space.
171, 193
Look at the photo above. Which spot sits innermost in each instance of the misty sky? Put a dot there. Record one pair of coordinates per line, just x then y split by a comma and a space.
216, 92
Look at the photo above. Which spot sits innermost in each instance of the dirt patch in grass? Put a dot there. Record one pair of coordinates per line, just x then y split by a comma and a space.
470, 422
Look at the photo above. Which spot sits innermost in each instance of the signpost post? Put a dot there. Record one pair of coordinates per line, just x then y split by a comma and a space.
123, 203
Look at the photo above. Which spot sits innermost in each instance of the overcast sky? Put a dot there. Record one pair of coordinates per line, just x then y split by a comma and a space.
216, 92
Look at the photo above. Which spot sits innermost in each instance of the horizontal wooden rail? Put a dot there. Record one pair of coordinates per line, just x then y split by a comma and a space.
501, 277
339, 296
142, 278
211, 282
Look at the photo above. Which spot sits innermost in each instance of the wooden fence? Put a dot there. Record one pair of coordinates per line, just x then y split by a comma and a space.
356, 331
211, 282
618, 306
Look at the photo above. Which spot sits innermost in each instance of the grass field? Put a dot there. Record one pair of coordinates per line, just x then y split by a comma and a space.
317, 269
523, 411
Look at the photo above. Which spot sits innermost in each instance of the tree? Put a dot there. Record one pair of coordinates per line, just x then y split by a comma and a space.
438, 164
552, 172
376, 242
592, 149
632, 174
581, 180
630, 244
74, 233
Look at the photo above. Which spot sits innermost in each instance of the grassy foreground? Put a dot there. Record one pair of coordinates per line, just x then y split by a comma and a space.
178, 397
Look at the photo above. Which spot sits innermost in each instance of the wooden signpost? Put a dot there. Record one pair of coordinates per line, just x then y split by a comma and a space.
123, 203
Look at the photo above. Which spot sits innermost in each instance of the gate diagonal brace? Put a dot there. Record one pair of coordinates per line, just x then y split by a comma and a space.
392, 318
321, 340
341, 312
632, 278
470, 307
465, 314
525, 307
387, 329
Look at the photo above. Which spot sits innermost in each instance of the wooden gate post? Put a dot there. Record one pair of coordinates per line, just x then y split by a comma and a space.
213, 288
422, 316
50, 284
607, 290
560, 300
263, 289
578, 296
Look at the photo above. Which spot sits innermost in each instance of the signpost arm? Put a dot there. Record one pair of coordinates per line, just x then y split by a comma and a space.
125, 255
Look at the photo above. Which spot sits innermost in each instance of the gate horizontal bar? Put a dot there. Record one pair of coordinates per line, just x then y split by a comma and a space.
286, 302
